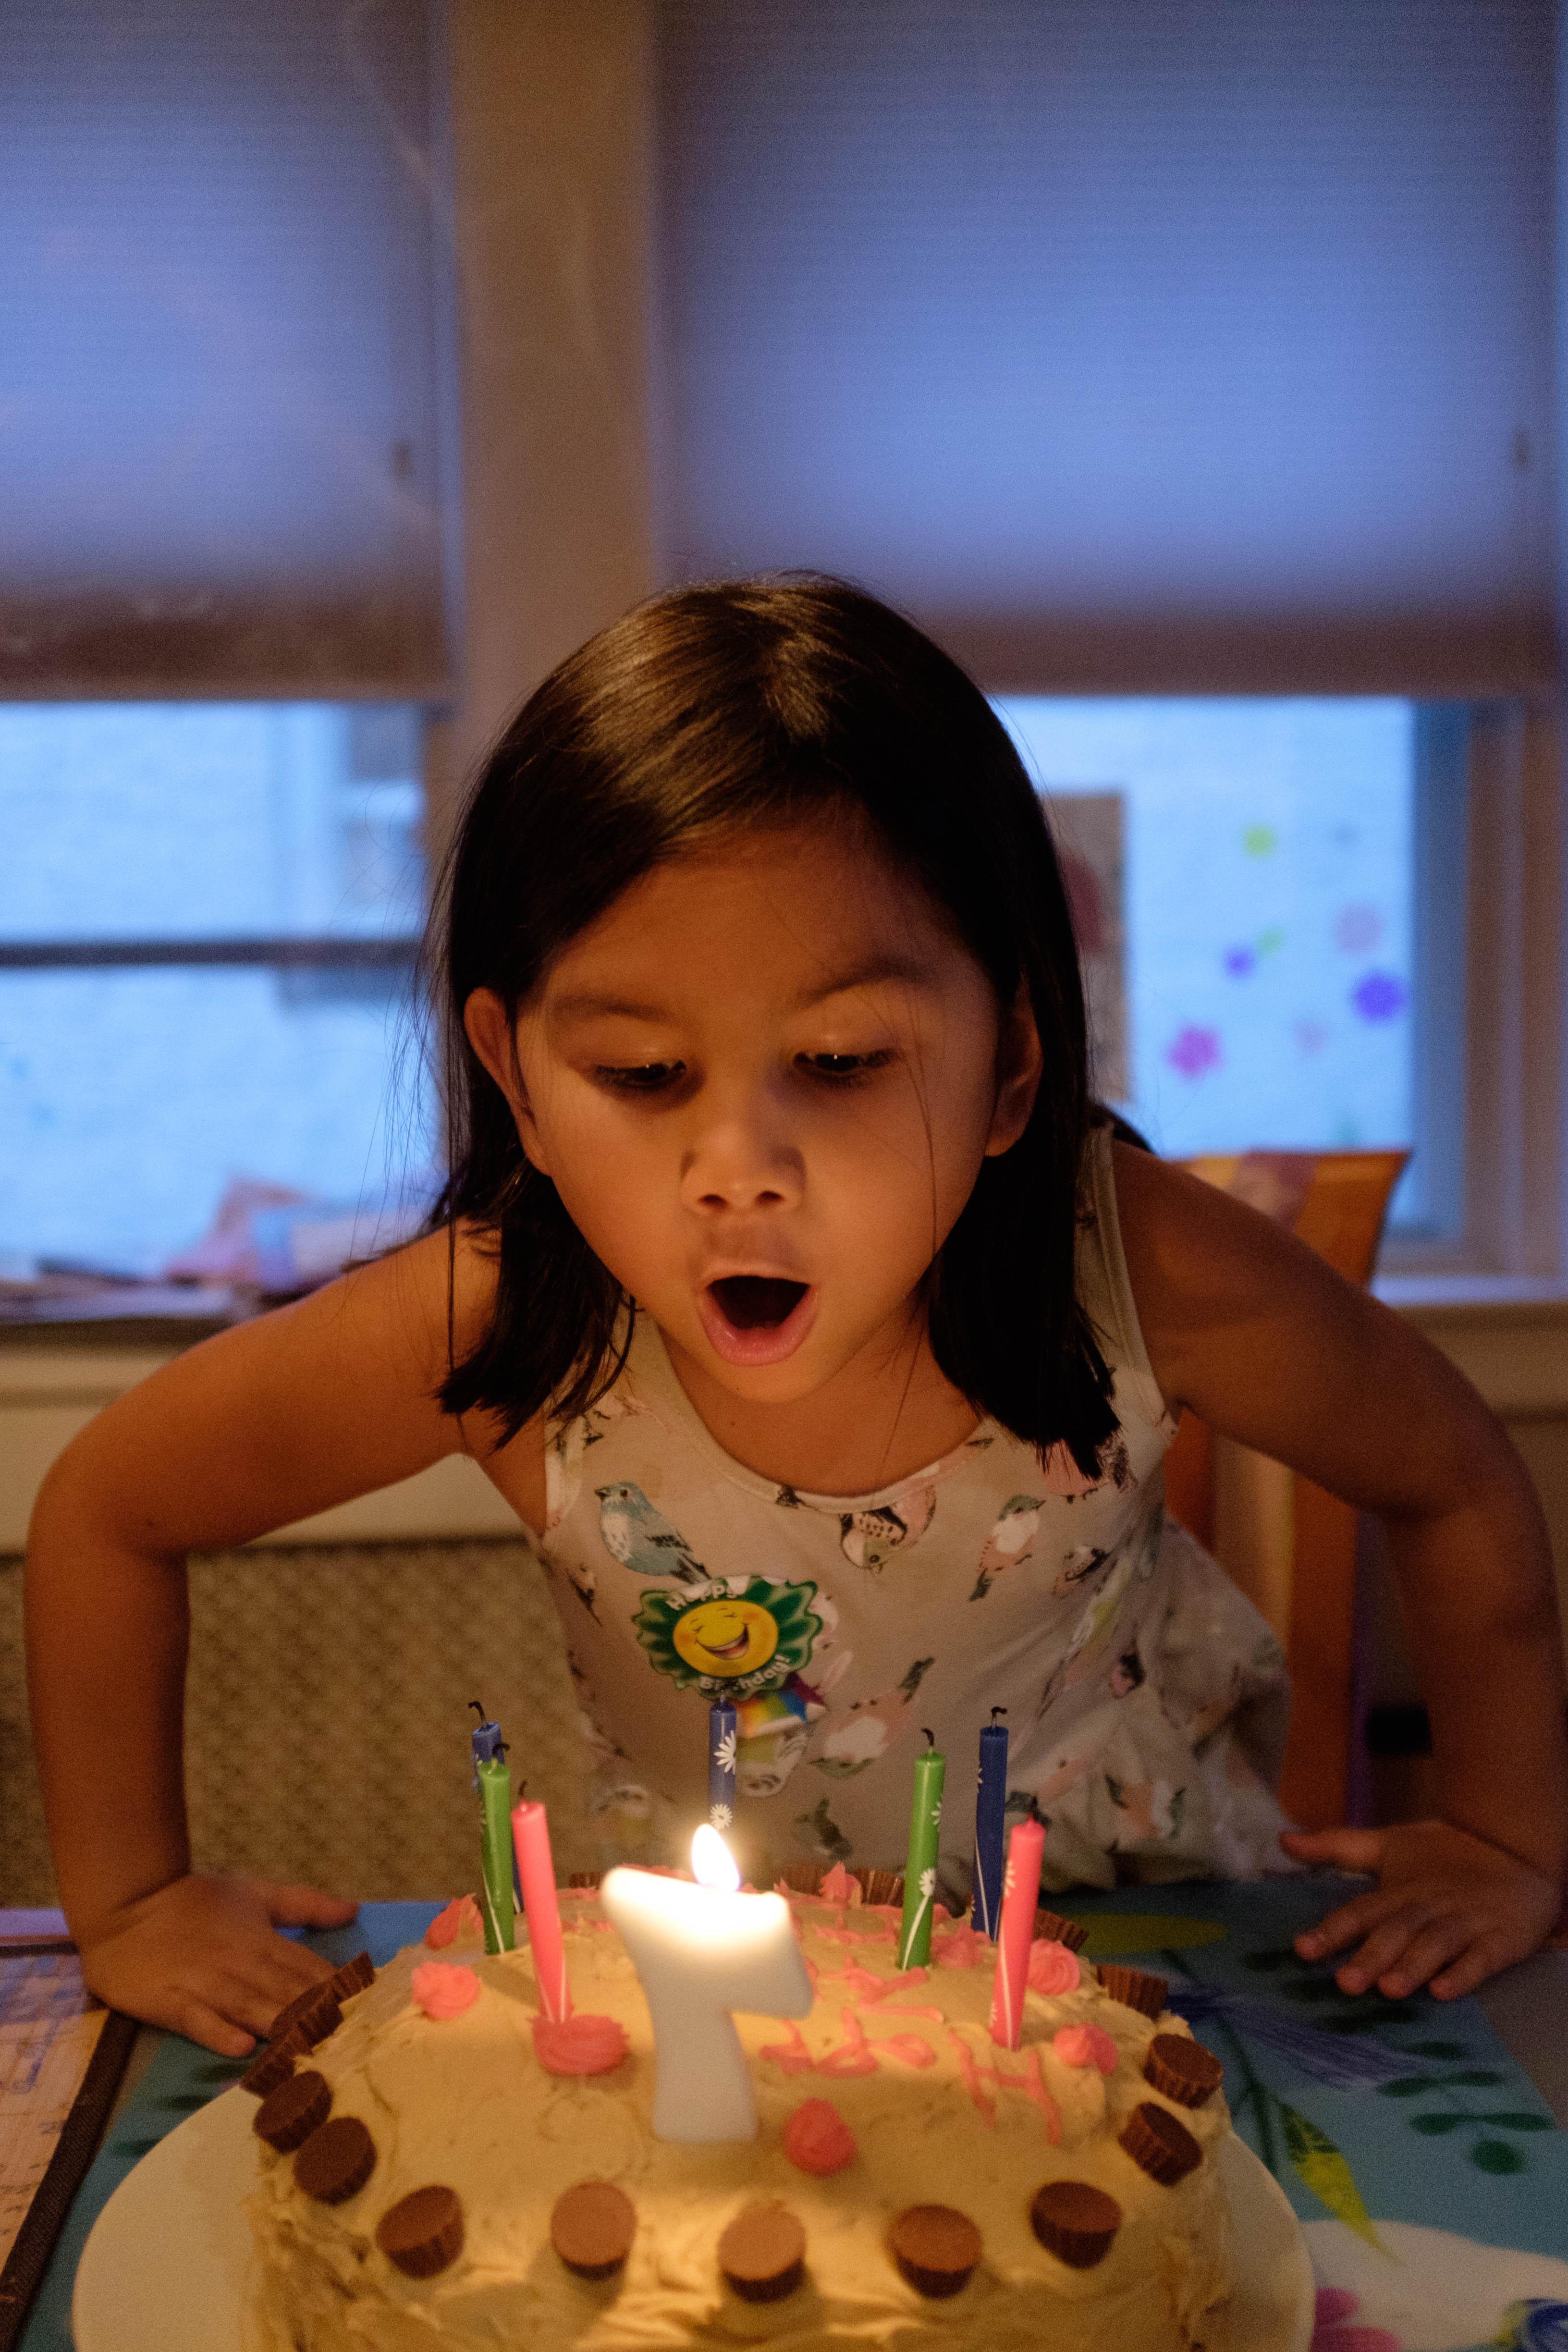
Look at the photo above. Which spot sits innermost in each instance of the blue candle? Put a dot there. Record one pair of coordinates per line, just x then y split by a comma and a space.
990, 1825
490, 1747
485, 1739
721, 1735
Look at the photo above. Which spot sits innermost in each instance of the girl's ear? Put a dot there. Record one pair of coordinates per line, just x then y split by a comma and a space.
1018, 1064
491, 1033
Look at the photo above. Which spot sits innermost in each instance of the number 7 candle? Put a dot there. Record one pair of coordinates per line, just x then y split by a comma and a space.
1020, 1898
699, 1952
919, 1869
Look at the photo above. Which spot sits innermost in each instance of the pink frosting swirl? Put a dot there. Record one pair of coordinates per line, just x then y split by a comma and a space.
817, 2140
838, 1886
1052, 1968
579, 2045
459, 1923
1085, 2045
444, 1991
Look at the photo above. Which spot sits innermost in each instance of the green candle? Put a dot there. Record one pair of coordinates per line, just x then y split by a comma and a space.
919, 1870
495, 1851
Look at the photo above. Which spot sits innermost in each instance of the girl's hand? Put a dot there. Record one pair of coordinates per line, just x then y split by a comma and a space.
200, 1957
1449, 1911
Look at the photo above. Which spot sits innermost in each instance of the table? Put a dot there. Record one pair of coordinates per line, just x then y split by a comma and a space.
1426, 2166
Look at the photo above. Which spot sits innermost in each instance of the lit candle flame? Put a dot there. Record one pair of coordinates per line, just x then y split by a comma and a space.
713, 1865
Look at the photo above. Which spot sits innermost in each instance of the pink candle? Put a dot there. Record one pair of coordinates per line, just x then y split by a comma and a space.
531, 1840
1020, 1896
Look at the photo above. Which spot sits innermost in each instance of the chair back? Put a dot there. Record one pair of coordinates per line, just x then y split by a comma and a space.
1291, 1546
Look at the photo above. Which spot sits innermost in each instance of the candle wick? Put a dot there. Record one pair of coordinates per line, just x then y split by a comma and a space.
996, 1711
930, 1738
479, 1707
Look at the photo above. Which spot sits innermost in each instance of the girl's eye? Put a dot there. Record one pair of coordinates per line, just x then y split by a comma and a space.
841, 1069
640, 1078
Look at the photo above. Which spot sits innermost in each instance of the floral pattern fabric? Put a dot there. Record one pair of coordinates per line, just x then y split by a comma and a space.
1146, 1700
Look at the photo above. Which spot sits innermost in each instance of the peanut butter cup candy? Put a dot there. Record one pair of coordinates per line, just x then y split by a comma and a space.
275, 2064
423, 2232
1075, 2221
355, 1976
336, 2161
313, 2013
1182, 2069
936, 2248
288, 2115
592, 2228
1058, 1930
763, 2253
1159, 2145
1134, 1989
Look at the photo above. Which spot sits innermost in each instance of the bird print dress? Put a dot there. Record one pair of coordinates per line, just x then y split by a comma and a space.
1146, 1701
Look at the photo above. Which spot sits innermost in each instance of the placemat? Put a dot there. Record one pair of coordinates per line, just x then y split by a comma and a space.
61, 2057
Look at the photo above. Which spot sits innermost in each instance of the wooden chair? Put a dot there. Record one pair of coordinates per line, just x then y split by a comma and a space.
1289, 1545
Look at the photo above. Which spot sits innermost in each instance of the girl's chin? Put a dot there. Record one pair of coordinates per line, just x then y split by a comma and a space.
763, 1343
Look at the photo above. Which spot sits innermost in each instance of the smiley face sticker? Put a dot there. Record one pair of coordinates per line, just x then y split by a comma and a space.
732, 1638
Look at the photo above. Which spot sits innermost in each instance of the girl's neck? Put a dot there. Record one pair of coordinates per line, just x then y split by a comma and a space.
873, 1423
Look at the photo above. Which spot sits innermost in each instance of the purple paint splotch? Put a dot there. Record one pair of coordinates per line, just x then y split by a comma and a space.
1238, 962
1194, 1051
1358, 929
1379, 996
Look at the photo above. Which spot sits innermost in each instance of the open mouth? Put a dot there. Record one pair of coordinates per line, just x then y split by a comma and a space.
757, 1302
756, 1318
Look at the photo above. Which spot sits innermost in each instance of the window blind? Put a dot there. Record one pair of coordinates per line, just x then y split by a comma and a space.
219, 351
1200, 347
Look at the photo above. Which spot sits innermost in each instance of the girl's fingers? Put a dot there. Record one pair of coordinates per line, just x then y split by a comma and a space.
1355, 1918
1486, 1955
1352, 1848
1386, 1944
1432, 1948
304, 1907
200, 2023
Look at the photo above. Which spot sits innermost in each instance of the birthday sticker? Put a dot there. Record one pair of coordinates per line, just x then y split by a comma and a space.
731, 1639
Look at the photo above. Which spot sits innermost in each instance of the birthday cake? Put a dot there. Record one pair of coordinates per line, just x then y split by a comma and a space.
443, 2167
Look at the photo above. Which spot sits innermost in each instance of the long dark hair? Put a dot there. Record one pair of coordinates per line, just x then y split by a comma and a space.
706, 711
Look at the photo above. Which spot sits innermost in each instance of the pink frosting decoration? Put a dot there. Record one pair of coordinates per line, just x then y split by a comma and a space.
1052, 1968
854, 2054
1085, 2045
912, 2048
838, 1886
817, 2140
960, 1948
443, 1991
862, 1984
459, 1923
792, 2057
1031, 2081
578, 2045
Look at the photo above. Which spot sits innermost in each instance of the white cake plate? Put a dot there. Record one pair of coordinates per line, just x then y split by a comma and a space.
164, 2267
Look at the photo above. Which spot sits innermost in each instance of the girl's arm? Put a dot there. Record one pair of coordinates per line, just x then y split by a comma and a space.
249, 1432
1260, 1338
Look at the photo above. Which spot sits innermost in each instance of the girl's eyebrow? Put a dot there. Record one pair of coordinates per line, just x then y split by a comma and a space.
588, 1004
874, 971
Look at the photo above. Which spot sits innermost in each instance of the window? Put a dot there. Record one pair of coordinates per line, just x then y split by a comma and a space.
1245, 880
208, 919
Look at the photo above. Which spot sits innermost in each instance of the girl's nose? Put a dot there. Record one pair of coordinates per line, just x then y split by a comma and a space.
740, 1163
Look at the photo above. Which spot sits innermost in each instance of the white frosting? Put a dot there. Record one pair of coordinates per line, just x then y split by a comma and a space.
463, 2101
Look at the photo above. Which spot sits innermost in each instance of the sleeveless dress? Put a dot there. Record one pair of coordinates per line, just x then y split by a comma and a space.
1146, 1699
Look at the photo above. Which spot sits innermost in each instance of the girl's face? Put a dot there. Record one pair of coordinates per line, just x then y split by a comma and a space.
762, 1082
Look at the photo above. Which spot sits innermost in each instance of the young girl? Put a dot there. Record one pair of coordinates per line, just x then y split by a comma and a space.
787, 1287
